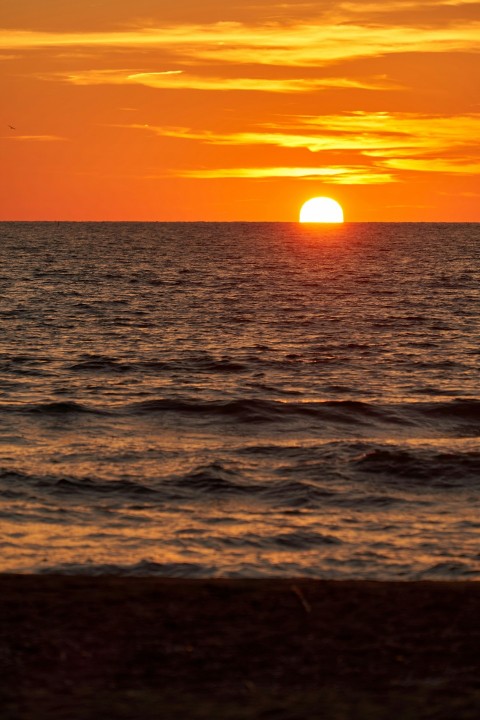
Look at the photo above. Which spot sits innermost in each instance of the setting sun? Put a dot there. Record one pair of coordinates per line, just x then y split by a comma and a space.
321, 210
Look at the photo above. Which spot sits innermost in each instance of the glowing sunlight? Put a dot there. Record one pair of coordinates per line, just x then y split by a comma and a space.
321, 210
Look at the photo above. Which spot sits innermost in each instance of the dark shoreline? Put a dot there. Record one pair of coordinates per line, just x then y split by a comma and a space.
110, 647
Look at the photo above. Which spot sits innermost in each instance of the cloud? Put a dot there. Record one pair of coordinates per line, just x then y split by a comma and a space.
400, 123
376, 134
329, 175
38, 138
380, 142
301, 44
455, 166
179, 79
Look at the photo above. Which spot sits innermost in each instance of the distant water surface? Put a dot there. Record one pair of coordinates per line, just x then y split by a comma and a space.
240, 399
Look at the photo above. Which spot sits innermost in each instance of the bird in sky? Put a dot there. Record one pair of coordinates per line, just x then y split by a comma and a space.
11, 127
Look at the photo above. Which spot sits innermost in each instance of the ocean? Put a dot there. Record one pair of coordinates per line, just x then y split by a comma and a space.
240, 399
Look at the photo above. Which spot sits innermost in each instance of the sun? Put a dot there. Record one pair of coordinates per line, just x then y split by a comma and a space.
321, 210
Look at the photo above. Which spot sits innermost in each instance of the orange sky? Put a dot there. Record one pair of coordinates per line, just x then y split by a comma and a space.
216, 110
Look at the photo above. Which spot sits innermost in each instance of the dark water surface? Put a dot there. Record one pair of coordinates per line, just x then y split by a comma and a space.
240, 399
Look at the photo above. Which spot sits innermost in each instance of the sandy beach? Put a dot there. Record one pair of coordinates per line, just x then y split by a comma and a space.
83, 647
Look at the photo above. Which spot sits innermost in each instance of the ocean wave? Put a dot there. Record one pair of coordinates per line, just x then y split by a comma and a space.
99, 363
371, 567
369, 501
213, 479
200, 485
430, 467
23, 483
122, 488
225, 366
241, 410
298, 539
216, 480
303, 540
295, 494
449, 570
64, 407
52, 408
452, 416
260, 410
139, 569
192, 365
467, 409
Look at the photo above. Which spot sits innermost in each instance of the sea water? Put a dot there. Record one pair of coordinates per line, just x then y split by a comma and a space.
240, 399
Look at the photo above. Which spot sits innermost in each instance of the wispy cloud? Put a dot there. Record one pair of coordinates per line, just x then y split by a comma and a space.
457, 166
30, 138
329, 175
179, 79
380, 142
315, 43
426, 125
377, 134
